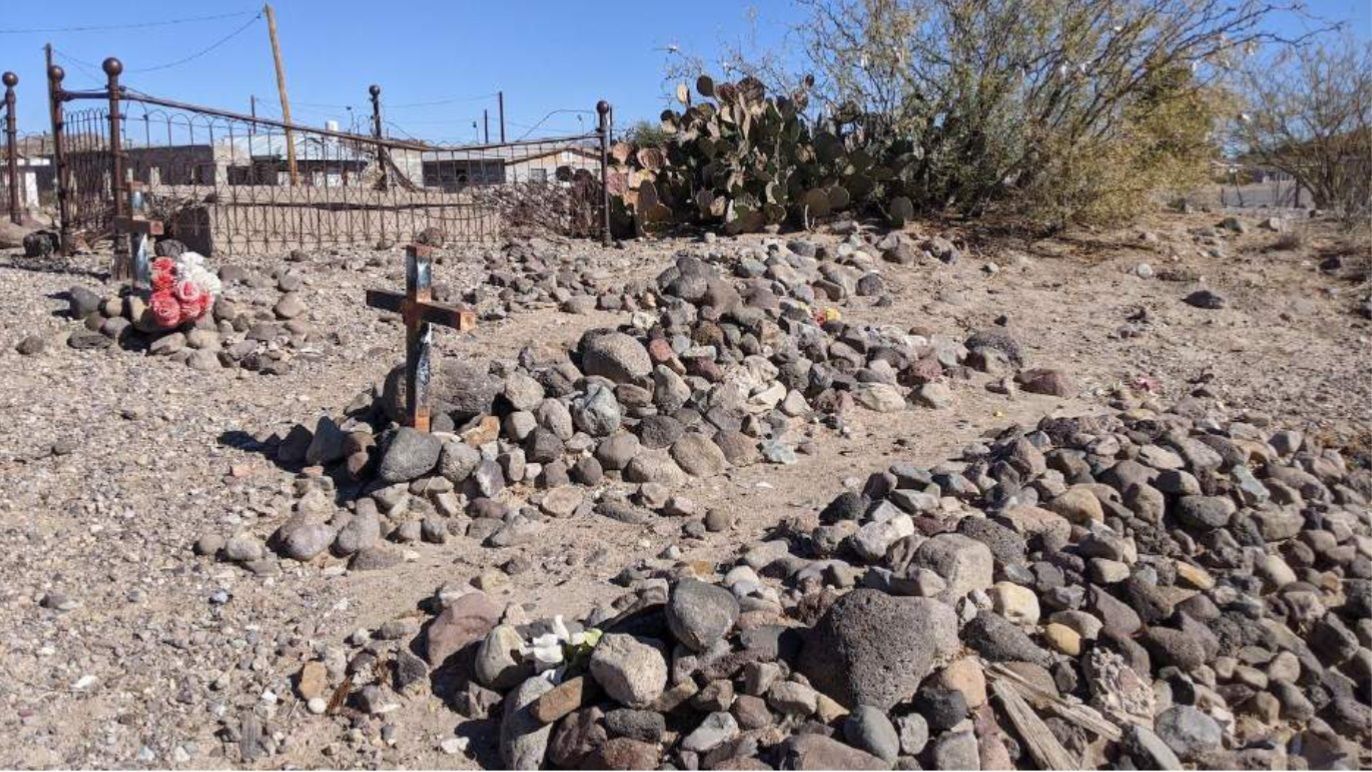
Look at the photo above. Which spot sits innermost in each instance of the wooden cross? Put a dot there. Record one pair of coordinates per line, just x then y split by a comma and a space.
416, 306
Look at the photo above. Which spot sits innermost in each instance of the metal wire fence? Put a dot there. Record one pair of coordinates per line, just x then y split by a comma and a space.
228, 183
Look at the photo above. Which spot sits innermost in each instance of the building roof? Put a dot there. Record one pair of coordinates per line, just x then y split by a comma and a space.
308, 147
510, 154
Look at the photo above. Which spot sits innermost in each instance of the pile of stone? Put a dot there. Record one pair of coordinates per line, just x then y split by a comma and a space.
1148, 590
721, 374
262, 335
533, 274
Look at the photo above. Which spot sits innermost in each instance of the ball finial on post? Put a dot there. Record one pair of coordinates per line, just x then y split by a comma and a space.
374, 90
10, 79
56, 73
112, 66
602, 107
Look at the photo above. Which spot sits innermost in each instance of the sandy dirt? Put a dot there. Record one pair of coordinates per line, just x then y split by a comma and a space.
121, 647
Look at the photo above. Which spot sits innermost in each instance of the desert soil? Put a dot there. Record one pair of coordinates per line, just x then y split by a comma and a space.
121, 647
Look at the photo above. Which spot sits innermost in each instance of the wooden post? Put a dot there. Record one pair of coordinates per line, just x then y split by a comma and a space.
281, 89
500, 102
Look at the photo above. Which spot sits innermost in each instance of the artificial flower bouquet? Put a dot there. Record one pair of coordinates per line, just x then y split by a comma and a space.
183, 290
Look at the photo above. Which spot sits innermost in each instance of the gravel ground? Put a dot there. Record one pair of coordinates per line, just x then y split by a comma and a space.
123, 648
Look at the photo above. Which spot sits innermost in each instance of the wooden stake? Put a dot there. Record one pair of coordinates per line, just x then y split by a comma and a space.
1048, 753
281, 88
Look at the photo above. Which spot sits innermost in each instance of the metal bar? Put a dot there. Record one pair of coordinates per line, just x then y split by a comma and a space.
602, 108
500, 100
130, 95
375, 92
418, 335
123, 265
61, 180
12, 148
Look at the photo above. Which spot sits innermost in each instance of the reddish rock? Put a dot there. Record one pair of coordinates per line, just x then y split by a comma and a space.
815, 751
563, 699
467, 620
624, 753
705, 368
1043, 381
578, 736
922, 371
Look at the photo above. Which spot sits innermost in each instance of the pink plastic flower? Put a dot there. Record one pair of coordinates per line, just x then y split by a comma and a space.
165, 309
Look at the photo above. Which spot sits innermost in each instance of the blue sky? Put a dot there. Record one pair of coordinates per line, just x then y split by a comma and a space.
546, 56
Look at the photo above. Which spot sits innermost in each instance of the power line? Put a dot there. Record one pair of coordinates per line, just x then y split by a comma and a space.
550, 114
203, 51
447, 101
134, 25
403, 133
91, 70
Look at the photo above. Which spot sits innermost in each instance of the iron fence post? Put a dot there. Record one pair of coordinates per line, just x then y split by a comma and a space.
123, 269
11, 147
59, 158
602, 108
375, 91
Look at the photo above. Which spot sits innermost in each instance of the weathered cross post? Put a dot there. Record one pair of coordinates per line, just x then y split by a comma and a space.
138, 227
419, 311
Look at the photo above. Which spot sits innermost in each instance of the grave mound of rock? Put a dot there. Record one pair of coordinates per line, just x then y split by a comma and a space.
725, 370
261, 335
1048, 599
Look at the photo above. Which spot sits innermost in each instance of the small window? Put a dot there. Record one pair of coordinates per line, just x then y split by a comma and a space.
538, 175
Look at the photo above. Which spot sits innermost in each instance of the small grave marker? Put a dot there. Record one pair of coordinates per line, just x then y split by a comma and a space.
420, 313
138, 265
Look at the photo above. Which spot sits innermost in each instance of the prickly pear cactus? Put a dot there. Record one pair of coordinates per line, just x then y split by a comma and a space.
740, 159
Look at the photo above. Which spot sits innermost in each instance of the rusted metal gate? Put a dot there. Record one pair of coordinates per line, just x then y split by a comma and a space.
229, 183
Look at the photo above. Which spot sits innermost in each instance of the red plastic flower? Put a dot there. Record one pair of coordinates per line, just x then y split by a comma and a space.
165, 309
162, 280
193, 310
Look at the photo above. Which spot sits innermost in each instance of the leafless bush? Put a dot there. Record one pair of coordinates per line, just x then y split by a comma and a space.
569, 206
1309, 114
1069, 109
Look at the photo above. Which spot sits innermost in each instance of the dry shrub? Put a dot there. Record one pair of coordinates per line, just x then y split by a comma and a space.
1310, 116
1059, 110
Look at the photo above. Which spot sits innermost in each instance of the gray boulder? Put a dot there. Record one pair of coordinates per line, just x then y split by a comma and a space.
614, 355
865, 650
523, 738
700, 614
410, 454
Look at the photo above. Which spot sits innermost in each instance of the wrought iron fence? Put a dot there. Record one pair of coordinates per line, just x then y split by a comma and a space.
9, 180
229, 183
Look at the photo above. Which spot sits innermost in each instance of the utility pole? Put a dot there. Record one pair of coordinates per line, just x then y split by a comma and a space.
500, 100
486, 125
281, 87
